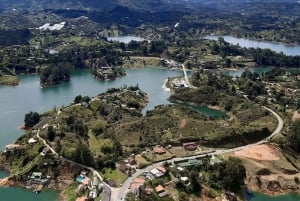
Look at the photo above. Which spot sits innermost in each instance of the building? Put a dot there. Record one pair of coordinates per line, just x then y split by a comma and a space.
45, 151
160, 191
161, 169
159, 149
191, 162
190, 146
11, 147
185, 181
131, 160
136, 185
156, 173
123, 167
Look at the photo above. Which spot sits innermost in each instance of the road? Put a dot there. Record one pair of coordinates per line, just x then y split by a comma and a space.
124, 190
186, 78
95, 173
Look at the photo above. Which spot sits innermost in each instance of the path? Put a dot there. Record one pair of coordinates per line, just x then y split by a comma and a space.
124, 190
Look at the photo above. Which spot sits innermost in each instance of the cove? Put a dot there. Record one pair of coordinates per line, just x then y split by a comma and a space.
209, 112
287, 197
125, 39
291, 50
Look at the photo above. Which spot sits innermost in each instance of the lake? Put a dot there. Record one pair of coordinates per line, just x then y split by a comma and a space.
292, 50
28, 96
288, 197
238, 72
125, 39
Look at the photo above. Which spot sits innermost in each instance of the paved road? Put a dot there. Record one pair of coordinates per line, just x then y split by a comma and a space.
124, 190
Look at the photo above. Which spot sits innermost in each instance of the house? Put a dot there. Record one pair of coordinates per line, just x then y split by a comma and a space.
123, 167
84, 198
148, 190
159, 149
86, 181
11, 147
191, 162
32, 140
190, 146
161, 169
131, 160
136, 185
111, 182
45, 151
185, 181
93, 194
156, 172
214, 160
36, 177
180, 169
159, 189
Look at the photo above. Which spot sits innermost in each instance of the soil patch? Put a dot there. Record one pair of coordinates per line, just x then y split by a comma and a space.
182, 123
259, 152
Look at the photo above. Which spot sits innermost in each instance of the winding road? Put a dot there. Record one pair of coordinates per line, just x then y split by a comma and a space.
125, 188
95, 173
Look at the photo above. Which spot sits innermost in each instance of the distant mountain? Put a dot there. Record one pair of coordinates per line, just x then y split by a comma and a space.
77, 4
131, 4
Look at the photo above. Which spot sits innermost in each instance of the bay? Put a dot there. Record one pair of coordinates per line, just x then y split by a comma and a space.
287, 49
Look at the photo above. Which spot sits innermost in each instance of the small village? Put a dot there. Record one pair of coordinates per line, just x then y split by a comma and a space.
155, 179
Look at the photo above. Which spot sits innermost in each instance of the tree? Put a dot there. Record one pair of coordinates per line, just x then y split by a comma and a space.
235, 173
78, 99
294, 136
31, 119
51, 133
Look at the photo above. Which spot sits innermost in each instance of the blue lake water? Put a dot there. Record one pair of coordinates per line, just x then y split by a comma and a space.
278, 47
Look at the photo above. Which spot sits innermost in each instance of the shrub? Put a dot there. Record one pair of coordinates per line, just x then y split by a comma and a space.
263, 171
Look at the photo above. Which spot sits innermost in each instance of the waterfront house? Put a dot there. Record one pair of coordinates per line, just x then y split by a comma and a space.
36, 177
11, 147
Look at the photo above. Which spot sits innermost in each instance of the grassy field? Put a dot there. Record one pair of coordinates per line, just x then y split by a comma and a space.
118, 176
141, 162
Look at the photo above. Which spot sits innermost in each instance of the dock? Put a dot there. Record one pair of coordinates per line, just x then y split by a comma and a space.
38, 189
